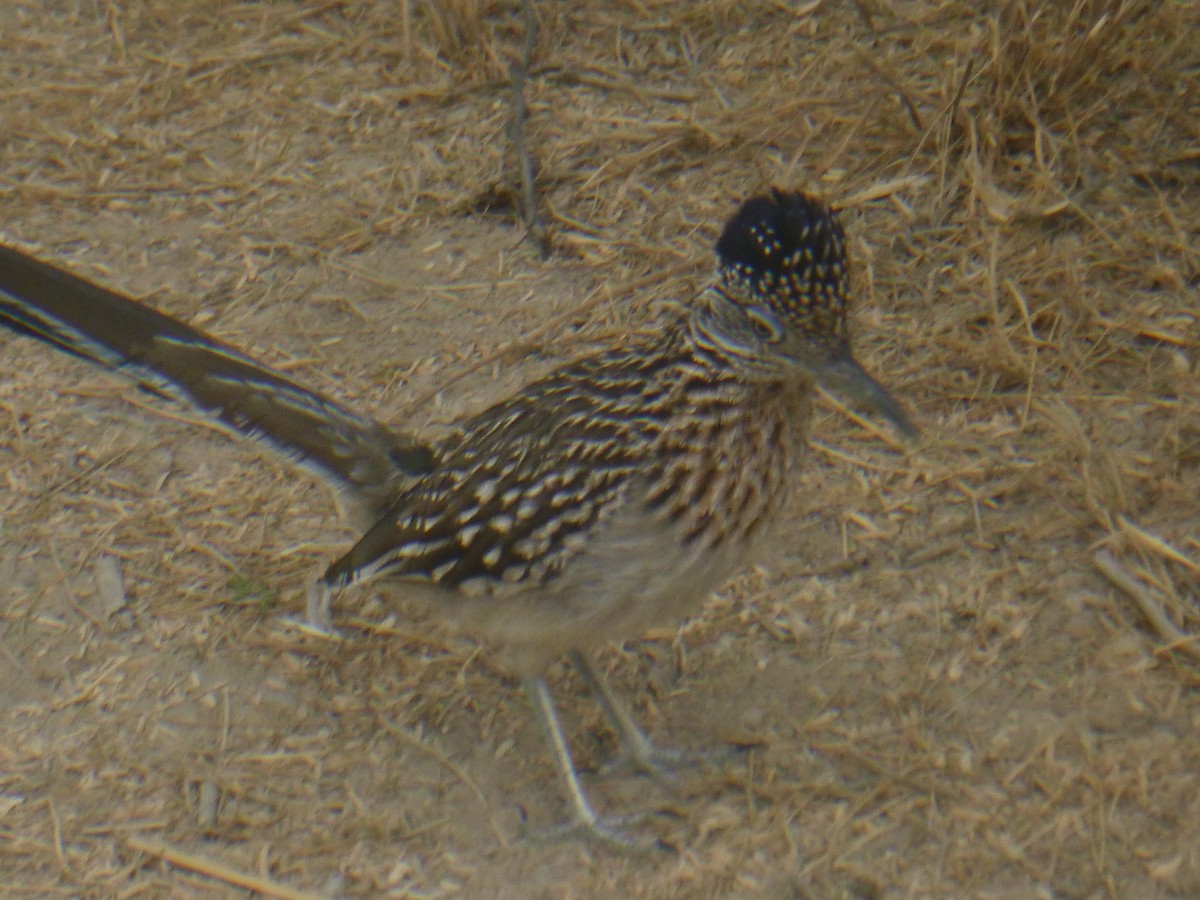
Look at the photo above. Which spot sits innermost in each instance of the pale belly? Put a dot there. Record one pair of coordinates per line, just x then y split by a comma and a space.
629, 580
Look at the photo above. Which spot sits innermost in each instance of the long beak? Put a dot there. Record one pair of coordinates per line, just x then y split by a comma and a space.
843, 376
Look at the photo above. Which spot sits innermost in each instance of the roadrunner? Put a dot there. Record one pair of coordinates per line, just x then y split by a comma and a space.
608, 497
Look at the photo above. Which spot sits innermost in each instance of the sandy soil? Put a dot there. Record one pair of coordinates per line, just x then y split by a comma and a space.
940, 691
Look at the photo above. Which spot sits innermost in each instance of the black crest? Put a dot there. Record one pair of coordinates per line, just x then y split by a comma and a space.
781, 233
788, 246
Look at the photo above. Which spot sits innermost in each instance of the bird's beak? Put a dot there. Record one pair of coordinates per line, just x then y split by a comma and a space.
843, 376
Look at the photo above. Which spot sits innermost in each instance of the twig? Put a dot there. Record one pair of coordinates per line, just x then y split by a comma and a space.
952, 111
533, 224
908, 97
1151, 609
882, 189
1149, 541
221, 872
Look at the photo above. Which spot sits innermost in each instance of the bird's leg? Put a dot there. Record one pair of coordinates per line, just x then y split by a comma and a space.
318, 611
584, 820
318, 607
637, 749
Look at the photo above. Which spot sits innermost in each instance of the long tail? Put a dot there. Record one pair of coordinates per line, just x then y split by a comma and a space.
172, 359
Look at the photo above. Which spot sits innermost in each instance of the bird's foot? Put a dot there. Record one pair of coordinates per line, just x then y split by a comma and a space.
609, 831
664, 764
318, 613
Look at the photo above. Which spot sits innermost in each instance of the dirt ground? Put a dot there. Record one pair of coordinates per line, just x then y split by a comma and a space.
941, 691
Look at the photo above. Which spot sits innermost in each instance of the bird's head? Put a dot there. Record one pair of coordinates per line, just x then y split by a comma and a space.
779, 302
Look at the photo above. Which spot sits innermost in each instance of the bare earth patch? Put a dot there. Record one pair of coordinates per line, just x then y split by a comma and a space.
970, 670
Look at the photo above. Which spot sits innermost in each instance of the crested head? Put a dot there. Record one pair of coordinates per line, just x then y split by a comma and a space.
777, 310
787, 249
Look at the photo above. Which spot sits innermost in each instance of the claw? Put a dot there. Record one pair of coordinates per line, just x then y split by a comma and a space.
609, 831
664, 764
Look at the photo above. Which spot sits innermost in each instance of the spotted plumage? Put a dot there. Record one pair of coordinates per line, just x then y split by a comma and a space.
612, 495
795, 252
519, 489
691, 429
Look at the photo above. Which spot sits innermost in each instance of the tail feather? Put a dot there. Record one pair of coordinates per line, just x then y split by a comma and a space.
175, 360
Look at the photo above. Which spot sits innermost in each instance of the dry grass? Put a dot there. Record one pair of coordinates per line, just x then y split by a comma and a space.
971, 671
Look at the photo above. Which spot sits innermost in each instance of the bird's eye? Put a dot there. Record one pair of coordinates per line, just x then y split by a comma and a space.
764, 326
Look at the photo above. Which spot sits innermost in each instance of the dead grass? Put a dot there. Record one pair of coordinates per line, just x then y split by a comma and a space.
970, 672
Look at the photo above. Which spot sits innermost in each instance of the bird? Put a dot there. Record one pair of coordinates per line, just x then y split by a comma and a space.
608, 497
